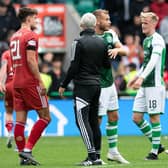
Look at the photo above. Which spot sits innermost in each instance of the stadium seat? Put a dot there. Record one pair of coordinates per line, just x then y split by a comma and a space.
85, 6
70, 1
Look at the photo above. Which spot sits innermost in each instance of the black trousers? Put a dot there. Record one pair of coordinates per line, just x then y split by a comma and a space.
86, 100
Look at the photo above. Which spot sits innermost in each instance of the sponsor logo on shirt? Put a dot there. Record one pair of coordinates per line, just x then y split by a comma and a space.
32, 43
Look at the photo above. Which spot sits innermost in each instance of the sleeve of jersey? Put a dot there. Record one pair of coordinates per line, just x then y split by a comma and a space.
4, 58
156, 53
140, 72
115, 37
74, 66
31, 42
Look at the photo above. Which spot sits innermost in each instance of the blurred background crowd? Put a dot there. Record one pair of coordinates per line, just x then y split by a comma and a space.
125, 18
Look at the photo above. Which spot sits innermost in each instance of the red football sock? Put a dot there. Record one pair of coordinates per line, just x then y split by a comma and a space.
9, 126
19, 135
36, 132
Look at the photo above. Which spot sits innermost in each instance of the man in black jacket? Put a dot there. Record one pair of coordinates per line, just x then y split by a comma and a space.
89, 54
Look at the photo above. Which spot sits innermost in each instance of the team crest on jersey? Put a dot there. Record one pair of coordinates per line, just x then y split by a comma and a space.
109, 39
32, 43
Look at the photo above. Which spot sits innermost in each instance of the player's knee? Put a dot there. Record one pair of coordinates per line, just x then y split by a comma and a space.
136, 118
44, 114
113, 116
9, 110
46, 117
154, 118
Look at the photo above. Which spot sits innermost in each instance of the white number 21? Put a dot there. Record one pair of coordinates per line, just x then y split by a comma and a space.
15, 45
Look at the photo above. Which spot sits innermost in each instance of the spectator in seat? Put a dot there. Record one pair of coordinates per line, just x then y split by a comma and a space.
160, 7
8, 23
57, 76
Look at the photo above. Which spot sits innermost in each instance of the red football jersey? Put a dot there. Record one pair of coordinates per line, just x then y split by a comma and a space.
6, 56
19, 43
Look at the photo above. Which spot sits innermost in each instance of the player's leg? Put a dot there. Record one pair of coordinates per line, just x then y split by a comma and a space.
9, 112
112, 122
139, 108
155, 104
103, 103
38, 128
9, 125
143, 125
35, 134
112, 126
33, 99
9, 119
156, 134
21, 117
112, 130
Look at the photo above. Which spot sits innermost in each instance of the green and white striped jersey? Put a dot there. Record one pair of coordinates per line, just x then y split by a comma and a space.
110, 38
154, 54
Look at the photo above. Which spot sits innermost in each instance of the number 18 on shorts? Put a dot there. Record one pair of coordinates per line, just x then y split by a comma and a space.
150, 99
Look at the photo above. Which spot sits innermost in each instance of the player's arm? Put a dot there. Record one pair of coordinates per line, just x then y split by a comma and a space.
118, 49
122, 51
131, 82
156, 54
148, 69
3, 75
74, 66
33, 66
150, 66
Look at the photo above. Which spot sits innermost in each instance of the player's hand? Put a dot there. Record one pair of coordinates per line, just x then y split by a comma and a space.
61, 91
138, 83
2, 88
131, 82
112, 53
43, 89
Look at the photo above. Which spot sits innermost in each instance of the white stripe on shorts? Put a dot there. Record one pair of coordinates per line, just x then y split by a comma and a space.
42, 98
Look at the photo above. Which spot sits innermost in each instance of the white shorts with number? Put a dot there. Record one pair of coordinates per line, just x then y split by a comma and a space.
108, 100
150, 99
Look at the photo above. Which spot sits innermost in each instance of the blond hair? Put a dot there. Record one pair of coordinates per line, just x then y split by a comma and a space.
99, 12
152, 15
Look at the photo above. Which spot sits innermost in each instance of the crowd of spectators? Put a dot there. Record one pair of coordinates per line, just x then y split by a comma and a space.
125, 18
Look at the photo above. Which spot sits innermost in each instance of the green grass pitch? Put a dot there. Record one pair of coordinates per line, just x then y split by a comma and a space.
65, 152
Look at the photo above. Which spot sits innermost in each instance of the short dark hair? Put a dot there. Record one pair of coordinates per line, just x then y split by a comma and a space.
25, 12
132, 66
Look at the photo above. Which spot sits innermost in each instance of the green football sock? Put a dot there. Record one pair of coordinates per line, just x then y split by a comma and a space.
156, 133
112, 134
146, 129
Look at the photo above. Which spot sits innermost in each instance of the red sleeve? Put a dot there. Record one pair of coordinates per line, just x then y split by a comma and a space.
5, 56
31, 41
